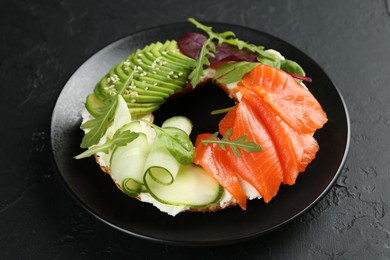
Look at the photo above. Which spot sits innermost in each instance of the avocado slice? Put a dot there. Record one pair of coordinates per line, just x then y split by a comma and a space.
93, 105
158, 71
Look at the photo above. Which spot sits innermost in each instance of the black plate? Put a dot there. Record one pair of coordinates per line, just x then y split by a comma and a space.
98, 194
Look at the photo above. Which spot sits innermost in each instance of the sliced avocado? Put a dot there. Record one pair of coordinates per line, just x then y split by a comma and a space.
136, 86
142, 110
144, 69
171, 52
158, 71
93, 105
141, 99
97, 91
143, 105
168, 86
152, 87
166, 62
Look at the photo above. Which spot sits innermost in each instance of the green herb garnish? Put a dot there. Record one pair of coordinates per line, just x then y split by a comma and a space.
176, 141
98, 126
208, 48
221, 111
232, 72
229, 37
119, 139
238, 143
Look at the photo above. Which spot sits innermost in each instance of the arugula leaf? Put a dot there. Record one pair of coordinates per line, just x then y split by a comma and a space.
238, 143
220, 37
232, 72
120, 138
221, 111
176, 141
208, 48
263, 56
98, 126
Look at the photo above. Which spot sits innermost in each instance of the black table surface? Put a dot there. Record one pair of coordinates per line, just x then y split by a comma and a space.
43, 42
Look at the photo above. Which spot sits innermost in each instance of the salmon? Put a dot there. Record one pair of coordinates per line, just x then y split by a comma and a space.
295, 150
263, 169
281, 116
227, 121
216, 162
293, 102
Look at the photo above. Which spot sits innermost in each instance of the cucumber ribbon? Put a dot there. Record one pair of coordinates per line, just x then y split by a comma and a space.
147, 165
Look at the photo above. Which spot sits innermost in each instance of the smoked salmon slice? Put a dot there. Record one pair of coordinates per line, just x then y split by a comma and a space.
227, 121
263, 169
216, 162
292, 101
295, 150
281, 116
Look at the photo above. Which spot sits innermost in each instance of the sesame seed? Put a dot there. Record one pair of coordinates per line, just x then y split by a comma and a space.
168, 76
114, 78
180, 73
154, 72
133, 101
139, 67
146, 88
139, 55
126, 63
171, 72
164, 52
155, 84
175, 76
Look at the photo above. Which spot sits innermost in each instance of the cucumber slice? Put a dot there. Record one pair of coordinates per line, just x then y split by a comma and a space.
192, 187
161, 165
180, 122
131, 187
127, 162
122, 115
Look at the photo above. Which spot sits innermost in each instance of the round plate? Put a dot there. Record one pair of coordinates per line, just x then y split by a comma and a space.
98, 194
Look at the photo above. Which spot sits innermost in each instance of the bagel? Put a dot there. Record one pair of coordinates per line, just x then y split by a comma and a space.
124, 100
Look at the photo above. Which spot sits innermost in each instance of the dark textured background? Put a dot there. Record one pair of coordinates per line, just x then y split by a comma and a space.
43, 42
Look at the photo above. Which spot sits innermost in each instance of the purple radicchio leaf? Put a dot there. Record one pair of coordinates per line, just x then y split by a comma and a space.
191, 43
